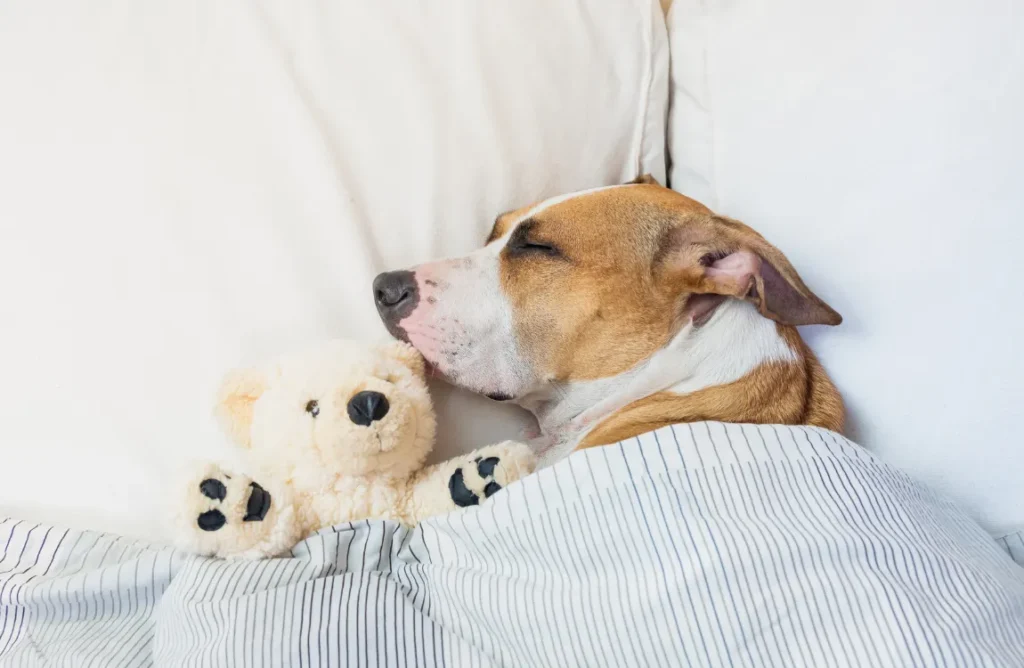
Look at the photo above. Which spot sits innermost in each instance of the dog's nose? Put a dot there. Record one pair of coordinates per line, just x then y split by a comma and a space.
395, 293
367, 407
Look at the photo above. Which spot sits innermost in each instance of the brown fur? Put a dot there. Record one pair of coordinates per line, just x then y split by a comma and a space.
635, 261
774, 393
621, 311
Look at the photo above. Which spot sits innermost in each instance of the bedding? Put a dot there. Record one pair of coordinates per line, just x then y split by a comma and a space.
188, 186
703, 544
877, 144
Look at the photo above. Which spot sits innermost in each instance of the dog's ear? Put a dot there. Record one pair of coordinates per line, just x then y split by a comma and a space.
238, 392
722, 258
643, 179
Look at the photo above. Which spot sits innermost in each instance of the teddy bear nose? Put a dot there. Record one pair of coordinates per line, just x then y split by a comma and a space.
367, 407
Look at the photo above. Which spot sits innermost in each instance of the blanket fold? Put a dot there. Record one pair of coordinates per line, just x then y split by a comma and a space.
700, 544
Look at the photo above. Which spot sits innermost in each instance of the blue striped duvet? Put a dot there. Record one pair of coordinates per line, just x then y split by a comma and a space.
704, 544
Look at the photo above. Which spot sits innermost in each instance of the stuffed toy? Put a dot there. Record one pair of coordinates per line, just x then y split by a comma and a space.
331, 435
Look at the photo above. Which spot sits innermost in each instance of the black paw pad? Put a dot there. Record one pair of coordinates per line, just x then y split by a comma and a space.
258, 505
213, 489
491, 489
485, 467
461, 494
211, 520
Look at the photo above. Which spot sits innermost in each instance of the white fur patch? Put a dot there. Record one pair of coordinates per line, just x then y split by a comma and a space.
464, 324
733, 343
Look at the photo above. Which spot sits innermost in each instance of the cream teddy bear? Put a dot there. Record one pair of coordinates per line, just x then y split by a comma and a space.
331, 435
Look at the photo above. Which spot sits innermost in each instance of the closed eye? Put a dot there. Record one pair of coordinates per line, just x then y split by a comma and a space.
548, 249
523, 242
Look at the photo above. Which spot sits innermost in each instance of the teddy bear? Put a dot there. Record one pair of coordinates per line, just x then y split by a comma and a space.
332, 434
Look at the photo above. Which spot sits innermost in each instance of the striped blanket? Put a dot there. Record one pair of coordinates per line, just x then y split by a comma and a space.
703, 544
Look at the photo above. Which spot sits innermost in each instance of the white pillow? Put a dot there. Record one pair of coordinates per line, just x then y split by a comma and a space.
189, 185
881, 146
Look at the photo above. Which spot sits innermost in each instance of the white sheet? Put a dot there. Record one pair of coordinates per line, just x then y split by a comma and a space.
185, 185
695, 545
880, 146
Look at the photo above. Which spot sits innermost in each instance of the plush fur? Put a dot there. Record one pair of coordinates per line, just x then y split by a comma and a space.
331, 435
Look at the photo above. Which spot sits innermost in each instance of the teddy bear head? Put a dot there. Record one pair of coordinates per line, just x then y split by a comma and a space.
338, 409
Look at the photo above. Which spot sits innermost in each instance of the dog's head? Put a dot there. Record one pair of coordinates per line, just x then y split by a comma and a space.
585, 286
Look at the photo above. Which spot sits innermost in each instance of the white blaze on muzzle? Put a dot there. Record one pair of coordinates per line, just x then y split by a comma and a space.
463, 325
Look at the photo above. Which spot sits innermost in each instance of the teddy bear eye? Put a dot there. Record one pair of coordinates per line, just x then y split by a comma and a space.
313, 407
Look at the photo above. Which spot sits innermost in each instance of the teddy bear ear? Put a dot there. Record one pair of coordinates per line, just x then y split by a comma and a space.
407, 355
238, 392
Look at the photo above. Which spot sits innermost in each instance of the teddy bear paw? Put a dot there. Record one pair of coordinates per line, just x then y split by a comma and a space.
232, 515
490, 469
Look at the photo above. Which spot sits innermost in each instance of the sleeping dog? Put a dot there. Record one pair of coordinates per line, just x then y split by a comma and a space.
611, 312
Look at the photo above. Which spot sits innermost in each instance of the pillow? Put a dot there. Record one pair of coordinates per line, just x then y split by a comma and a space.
188, 186
881, 148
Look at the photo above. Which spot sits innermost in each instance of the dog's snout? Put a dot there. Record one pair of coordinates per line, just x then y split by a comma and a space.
367, 407
395, 292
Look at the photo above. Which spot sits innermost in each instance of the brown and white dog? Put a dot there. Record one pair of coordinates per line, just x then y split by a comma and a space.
614, 311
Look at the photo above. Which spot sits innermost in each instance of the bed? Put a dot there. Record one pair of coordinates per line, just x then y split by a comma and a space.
187, 186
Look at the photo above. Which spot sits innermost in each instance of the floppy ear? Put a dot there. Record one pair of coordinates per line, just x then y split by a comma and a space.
406, 354
739, 263
643, 179
238, 392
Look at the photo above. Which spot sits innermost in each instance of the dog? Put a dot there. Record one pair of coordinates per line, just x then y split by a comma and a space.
611, 312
